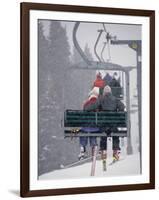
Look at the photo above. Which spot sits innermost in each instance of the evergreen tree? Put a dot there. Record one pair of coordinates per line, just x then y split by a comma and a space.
43, 93
88, 53
76, 57
42, 57
53, 63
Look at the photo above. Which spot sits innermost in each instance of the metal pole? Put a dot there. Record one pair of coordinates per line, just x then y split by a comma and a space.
139, 78
129, 145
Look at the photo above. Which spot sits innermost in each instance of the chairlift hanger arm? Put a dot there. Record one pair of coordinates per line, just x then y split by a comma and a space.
108, 39
109, 54
93, 64
95, 46
103, 51
77, 46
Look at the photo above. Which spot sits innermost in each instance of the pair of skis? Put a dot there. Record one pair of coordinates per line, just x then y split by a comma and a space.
94, 158
85, 160
93, 166
104, 162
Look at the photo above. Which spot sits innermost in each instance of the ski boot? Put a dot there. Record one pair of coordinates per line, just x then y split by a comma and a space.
104, 157
116, 155
83, 154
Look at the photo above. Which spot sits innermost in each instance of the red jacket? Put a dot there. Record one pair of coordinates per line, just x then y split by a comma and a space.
89, 102
99, 83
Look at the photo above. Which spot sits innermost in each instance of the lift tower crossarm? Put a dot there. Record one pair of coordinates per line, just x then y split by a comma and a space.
133, 44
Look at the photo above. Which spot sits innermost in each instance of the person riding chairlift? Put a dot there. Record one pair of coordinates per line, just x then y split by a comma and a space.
107, 78
99, 82
108, 102
115, 82
93, 96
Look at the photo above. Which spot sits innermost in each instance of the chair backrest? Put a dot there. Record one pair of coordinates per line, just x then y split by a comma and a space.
80, 118
117, 92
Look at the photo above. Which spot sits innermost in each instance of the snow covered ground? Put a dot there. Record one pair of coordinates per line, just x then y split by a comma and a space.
128, 165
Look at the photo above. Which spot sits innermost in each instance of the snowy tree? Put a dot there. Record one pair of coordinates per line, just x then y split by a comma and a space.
54, 60
76, 57
42, 57
87, 52
43, 92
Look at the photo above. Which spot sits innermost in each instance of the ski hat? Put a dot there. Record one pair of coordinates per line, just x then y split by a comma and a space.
98, 75
107, 90
94, 92
115, 75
